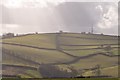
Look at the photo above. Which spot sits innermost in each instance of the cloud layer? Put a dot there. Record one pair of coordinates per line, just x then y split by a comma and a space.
67, 16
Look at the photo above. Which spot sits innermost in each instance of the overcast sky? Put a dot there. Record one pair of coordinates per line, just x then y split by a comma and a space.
21, 16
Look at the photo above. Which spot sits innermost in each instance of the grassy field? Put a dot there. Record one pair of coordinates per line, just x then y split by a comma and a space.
43, 40
40, 56
42, 48
90, 62
106, 71
92, 51
30, 74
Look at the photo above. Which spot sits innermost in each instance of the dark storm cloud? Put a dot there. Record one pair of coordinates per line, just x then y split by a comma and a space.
78, 16
78, 13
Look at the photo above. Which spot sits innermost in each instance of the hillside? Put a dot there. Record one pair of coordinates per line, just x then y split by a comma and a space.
81, 51
106, 71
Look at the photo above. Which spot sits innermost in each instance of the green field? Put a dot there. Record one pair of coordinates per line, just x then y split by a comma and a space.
43, 40
75, 50
106, 71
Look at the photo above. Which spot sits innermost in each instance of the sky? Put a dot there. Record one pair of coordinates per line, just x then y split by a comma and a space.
48, 16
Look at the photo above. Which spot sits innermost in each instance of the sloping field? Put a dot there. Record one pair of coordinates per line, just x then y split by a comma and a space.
82, 51
111, 71
38, 55
49, 40
14, 60
91, 61
24, 72
67, 41
39, 40
96, 36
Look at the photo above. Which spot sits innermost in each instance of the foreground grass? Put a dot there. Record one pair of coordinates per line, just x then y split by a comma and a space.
30, 74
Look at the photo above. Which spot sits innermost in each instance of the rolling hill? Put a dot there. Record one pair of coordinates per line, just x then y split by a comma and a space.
81, 51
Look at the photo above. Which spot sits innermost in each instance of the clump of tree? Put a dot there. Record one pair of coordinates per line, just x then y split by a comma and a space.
51, 71
8, 35
108, 49
83, 32
97, 70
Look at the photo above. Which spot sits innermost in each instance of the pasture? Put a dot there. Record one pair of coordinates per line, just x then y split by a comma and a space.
81, 51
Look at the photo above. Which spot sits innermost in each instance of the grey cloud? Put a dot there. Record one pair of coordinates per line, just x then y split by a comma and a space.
78, 16
71, 16
81, 16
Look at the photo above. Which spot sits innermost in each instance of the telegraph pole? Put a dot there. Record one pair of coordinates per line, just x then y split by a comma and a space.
92, 29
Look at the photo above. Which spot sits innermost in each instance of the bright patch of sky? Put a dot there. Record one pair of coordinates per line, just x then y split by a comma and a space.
110, 18
30, 3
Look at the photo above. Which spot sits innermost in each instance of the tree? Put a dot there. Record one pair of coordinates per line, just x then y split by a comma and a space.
97, 70
108, 49
51, 71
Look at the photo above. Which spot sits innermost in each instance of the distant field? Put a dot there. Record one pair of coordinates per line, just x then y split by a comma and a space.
79, 41
98, 36
91, 51
60, 49
43, 40
49, 40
